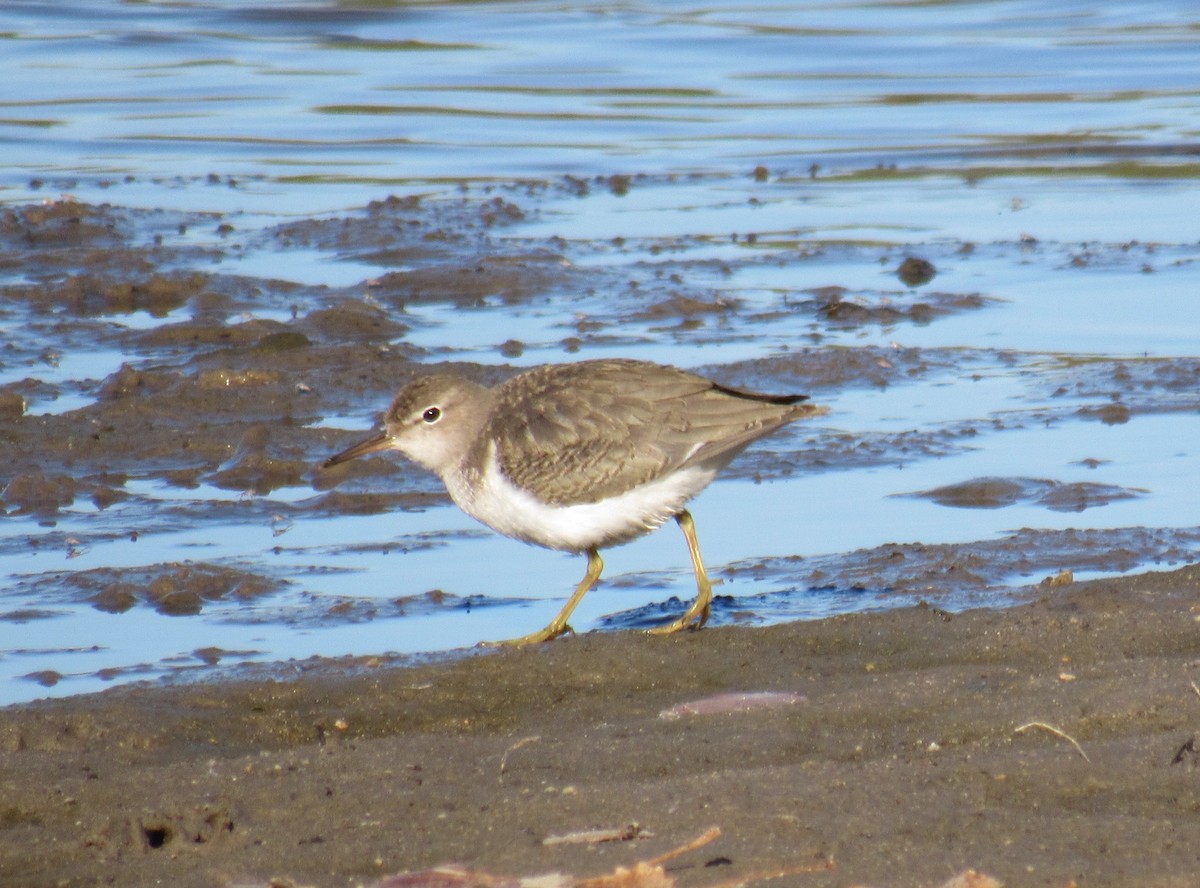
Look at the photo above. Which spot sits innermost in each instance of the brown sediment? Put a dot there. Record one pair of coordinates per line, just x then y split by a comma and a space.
912, 756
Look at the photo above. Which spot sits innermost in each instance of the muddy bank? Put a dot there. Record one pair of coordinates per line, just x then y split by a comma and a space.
158, 408
1048, 744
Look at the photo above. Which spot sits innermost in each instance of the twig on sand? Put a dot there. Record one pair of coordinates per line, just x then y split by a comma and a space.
644, 874
626, 833
514, 748
650, 873
1058, 732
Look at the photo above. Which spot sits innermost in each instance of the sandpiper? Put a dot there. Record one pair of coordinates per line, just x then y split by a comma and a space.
579, 457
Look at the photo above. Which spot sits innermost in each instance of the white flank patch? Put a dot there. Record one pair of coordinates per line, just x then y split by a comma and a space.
515, 512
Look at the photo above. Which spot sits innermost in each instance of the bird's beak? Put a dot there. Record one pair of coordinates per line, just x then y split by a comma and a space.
362, 448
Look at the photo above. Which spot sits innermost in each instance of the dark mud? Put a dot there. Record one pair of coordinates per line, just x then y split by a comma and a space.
220, 381
1051, 744
897, 761
995, 493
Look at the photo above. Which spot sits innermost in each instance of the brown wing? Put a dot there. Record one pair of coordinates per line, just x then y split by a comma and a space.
578, 433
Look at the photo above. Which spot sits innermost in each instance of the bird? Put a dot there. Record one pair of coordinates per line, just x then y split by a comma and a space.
581, 456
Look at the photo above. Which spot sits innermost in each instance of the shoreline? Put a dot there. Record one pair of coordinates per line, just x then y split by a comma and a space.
891, 755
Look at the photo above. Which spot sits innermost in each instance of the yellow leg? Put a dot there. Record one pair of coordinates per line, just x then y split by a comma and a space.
696, 615
558, 625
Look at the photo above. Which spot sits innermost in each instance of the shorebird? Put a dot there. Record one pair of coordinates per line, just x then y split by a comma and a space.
580, 457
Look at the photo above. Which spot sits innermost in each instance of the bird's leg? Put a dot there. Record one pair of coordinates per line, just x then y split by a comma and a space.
696, 615
558, 625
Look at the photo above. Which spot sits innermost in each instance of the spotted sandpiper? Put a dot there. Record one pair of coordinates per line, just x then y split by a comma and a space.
580, 457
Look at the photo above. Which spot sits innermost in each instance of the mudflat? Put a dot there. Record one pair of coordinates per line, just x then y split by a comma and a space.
1050, 743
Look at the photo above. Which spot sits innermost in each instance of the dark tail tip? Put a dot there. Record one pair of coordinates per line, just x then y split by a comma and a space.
780, 400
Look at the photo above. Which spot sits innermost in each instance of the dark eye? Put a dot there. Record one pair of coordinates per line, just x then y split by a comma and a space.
432, 415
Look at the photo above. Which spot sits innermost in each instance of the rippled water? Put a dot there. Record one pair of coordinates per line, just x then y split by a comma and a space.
1042, 155
321, 103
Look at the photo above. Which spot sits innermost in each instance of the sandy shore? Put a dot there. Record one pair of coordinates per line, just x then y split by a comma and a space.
925, 744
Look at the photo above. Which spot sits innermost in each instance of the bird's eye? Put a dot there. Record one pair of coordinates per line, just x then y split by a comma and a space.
432, 415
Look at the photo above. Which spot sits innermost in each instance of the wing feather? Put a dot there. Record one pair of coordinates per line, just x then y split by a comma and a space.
583, 432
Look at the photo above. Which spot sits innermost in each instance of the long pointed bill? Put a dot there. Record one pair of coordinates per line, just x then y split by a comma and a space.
362, 448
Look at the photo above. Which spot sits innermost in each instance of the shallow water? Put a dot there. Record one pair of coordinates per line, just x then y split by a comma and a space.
747, 158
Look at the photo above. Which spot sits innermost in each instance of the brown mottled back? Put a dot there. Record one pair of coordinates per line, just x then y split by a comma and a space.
584, 432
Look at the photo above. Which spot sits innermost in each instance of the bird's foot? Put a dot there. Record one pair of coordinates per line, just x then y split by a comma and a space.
694, 619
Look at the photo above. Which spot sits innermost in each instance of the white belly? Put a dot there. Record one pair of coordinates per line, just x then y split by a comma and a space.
575, 528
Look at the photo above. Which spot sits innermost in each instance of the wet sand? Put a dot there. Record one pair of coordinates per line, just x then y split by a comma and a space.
925, 744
